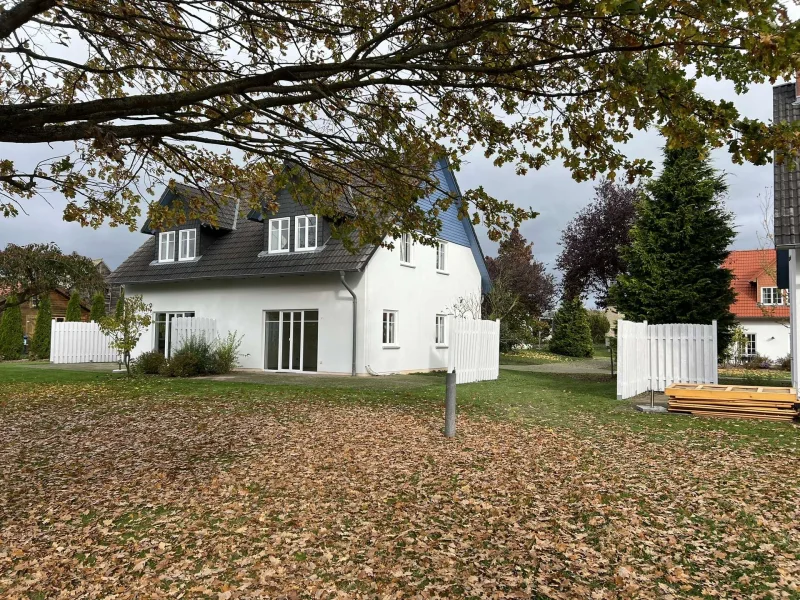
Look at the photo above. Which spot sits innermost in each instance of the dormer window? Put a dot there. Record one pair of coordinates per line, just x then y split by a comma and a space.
279, 235
771, 296
188, 245
305, 232
166, 246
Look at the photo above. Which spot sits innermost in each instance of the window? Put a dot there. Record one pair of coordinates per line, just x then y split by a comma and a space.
771, 296
441, 257
166, 246
441, 340
188, 247
279, 235
750, 346
305, 233
390, 328
163, 330
34, 303
406, 249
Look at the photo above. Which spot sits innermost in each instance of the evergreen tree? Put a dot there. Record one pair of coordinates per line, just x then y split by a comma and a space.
40, 344
571, 333
11, 334
678, 243
119, 311
98, 307
73, 308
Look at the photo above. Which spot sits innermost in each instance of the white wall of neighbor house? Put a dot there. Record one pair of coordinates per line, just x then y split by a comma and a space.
239, 305
772, 336
416, 292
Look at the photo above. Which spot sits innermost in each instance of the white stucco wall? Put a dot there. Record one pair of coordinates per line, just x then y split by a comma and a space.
772, 337
239, 304
418, 294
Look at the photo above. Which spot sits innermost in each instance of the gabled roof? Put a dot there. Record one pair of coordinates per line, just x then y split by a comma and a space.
237, 255
227, 206
756, 266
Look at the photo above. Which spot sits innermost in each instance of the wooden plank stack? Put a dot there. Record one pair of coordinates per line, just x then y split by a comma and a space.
739, 401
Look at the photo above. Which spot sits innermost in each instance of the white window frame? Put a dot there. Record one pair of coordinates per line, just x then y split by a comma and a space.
389, 317
406, 250
281, 221
441, 258
440, 336
750, 339
776, 296
184, 233
305, 245
170, 238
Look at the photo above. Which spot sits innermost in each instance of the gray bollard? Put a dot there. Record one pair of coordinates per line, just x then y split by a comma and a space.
450, 405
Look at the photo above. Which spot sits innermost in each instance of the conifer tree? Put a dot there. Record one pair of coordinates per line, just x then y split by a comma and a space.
98, 307
119, 310
40, 344
572, 335
11, 334
73, 308
679, 241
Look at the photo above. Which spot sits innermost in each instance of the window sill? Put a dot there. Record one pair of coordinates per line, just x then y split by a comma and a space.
305, 249
391, 346
442, 346
409, 265
192, 259
442, 272
278, 252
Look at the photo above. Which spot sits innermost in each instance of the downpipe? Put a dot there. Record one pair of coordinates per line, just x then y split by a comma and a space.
355, 317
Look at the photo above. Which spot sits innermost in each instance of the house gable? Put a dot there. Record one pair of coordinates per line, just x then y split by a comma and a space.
752, 271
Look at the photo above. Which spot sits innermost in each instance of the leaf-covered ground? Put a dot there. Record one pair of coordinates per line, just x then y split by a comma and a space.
130, 490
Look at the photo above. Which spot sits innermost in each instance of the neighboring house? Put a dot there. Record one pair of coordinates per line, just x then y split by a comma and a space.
59, 299
760, 307
110, 292
300, 300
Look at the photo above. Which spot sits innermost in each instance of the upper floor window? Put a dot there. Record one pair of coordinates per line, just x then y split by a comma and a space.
34, 303
279, 235
441, 257
771, 296
305, 232
188, 246
166, 246
406, 249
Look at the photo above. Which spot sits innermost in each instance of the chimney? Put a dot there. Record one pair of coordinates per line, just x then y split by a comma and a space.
797, 85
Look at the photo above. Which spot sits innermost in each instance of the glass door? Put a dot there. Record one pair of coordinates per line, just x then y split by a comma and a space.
291, 340
163, 343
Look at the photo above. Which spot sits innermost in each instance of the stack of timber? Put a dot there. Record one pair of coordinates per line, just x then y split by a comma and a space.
741, 401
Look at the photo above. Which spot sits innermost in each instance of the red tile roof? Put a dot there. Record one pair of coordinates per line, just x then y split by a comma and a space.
753, 266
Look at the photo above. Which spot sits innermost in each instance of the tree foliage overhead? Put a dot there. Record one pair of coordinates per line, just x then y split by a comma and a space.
364, 95
37, 269
516, 267
678, 244
591, 242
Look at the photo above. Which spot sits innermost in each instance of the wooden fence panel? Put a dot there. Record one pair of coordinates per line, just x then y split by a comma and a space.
653, 357
78, 342
474, 351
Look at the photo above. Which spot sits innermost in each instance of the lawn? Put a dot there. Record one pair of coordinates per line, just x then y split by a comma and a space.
325, 487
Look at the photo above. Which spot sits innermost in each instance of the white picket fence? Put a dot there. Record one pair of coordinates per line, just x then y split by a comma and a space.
184, 328
78, 342
652, 357
474, 349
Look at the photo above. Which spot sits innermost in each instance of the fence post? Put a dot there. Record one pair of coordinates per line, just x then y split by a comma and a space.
450, 405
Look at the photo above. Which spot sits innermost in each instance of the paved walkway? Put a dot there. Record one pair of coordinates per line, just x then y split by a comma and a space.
598, 366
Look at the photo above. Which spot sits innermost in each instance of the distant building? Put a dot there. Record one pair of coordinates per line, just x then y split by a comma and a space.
760, 307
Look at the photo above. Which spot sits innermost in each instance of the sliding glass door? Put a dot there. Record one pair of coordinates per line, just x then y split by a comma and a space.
163, 320
291, 340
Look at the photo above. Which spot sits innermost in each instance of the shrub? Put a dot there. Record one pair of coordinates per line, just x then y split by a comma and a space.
11, 334
785, 363
40, 344
571, 333
181, 364
226, 354
149, 363
73, 308
756, 361
98, 307
599, 325
202, 350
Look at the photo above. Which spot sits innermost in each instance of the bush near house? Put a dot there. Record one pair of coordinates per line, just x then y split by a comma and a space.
198, 356
73, 308
11, 334
40, 344
149, 363
571, 333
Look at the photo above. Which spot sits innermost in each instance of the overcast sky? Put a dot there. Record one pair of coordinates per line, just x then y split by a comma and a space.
551, 191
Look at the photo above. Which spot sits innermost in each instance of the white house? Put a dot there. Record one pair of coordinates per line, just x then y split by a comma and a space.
300, 300
760, 307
